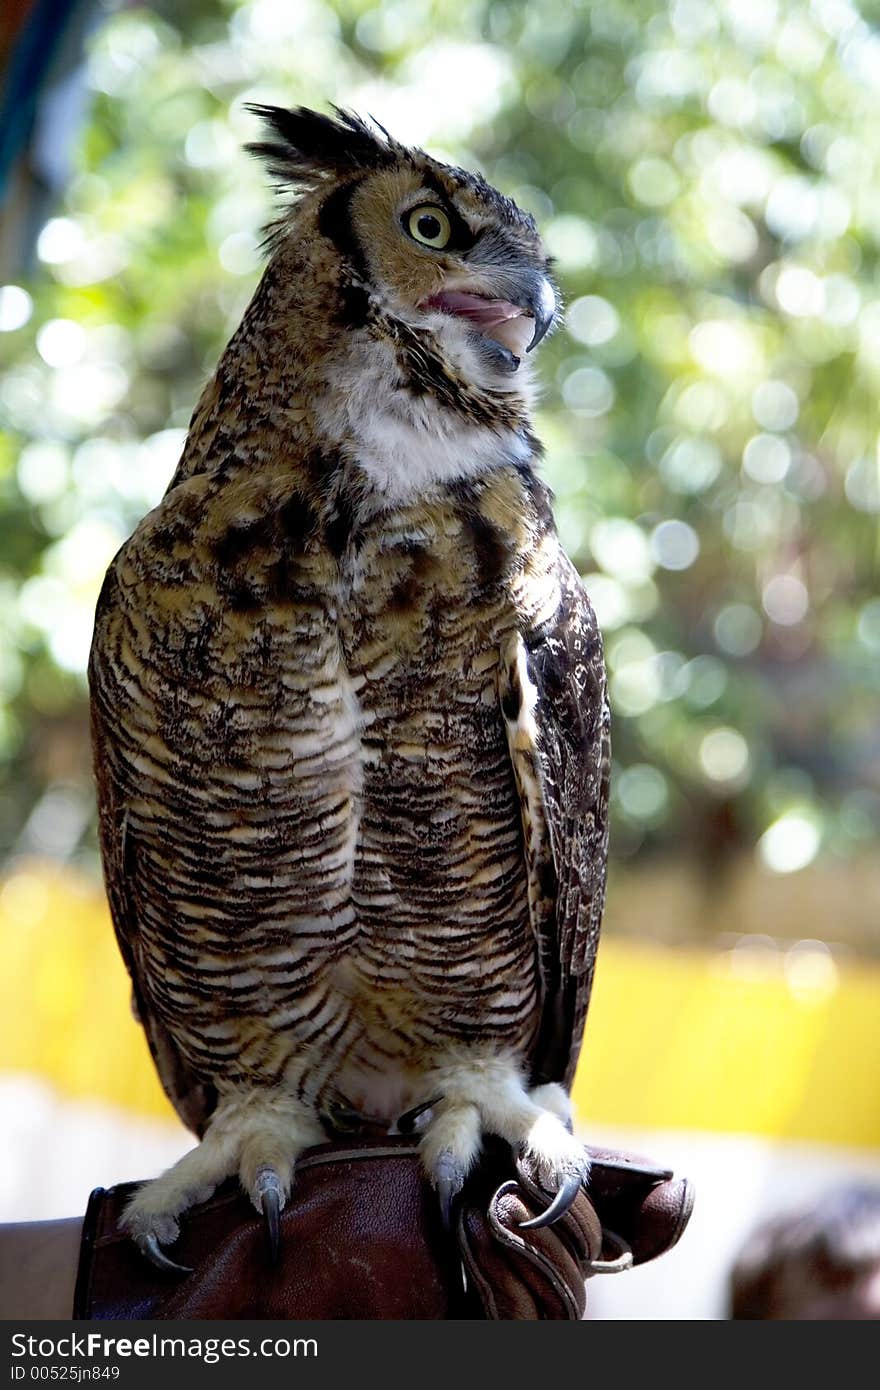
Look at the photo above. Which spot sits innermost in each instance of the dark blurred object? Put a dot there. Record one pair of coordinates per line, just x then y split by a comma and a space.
820, 1262
362, 1237
42, 107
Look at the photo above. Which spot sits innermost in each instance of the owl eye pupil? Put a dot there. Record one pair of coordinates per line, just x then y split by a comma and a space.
429, 226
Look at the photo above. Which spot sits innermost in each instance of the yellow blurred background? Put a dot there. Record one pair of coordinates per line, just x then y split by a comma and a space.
781, 1041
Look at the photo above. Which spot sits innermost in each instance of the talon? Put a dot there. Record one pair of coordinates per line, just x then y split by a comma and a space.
407, 1122
149, 1246
558, 1207
450, 1180
446, 1191
270, 1195
272, 1213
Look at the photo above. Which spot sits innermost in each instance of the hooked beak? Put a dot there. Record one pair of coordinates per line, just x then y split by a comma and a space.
510, 327
541, 306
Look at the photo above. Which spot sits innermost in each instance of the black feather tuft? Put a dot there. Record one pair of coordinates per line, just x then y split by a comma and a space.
310, 146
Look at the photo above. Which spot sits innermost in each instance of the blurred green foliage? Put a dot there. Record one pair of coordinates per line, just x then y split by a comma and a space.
706, 176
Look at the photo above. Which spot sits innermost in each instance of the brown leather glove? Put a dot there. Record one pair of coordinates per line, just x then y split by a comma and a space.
630, 1212
362, 1238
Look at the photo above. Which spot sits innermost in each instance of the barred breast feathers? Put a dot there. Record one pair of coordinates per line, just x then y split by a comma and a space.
348, 702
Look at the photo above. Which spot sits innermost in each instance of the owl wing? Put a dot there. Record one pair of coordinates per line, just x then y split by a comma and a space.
193, 1101
554, 700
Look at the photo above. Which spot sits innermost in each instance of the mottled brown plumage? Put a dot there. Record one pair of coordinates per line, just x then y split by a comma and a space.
349, 713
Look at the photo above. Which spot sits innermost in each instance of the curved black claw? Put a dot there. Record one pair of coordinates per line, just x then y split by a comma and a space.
271, 1202
446, 1192
408, 1121
561, 1203
149, 1246
450, 1180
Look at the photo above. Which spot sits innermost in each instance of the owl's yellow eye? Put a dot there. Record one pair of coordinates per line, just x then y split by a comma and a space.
429, 225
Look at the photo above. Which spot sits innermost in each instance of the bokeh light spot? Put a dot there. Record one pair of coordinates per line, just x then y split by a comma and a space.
810, 970
800, 292
790, 843
862, 484
766, 458
60, 240
61, 342
588, 391
43, 471
675, 545
785, 599
724, 757
642, 792
738, 629
622, 549
592, 320
16, 307
691, 465
775, 405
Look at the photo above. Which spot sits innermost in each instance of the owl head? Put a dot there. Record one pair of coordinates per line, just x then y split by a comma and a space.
425, 252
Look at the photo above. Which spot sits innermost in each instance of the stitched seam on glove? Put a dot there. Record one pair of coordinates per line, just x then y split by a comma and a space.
506, 1237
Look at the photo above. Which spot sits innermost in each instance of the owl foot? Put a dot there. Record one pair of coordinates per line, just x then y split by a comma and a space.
258, 1138
490, 1098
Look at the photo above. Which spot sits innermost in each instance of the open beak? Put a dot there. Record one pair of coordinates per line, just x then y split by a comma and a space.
518, 327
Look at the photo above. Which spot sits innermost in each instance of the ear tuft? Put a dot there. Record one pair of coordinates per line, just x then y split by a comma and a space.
308, 146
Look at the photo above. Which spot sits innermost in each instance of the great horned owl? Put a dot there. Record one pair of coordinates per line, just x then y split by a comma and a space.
349, 703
